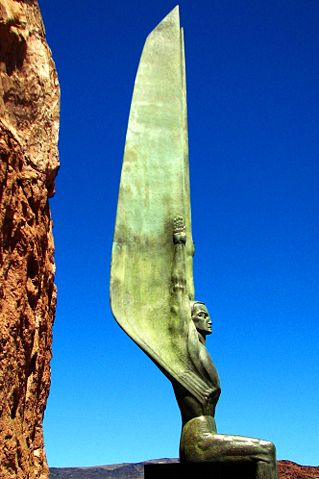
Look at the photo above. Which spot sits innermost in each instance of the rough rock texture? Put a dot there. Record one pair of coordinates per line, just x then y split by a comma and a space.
29, 120
291, 470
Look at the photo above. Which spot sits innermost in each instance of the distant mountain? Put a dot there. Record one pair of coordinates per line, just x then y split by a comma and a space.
114, 471
287, 470
120, 471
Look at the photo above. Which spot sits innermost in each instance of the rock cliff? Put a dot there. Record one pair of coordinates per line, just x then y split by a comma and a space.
29, 122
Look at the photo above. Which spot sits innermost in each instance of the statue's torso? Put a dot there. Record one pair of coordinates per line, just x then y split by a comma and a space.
209, 368
190, 406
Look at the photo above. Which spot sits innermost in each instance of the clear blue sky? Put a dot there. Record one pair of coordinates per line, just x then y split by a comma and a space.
253, 103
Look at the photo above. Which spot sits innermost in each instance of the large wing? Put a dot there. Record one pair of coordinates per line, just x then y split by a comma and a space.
154, 189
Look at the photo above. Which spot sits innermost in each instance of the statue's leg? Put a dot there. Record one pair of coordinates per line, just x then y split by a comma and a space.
266, 470
200, 442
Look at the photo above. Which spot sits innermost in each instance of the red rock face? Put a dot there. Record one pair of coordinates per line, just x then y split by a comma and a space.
291, 470
29, 105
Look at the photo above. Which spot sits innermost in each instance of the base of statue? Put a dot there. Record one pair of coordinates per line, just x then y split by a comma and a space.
200, 470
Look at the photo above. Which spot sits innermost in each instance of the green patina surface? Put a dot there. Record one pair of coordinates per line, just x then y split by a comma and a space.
154, 190
152, 254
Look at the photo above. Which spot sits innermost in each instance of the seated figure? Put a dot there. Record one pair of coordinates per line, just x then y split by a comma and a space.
199, 439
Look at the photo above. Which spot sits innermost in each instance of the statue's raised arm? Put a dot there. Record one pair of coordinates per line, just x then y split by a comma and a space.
179, 294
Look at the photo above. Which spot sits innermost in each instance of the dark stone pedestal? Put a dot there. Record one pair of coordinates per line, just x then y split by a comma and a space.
201, 470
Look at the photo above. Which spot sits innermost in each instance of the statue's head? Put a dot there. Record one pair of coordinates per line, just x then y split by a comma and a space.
201, 318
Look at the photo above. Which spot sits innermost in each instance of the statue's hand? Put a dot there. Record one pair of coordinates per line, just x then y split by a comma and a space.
179, 230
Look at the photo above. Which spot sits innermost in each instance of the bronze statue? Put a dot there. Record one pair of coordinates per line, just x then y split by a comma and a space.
152, 290
199, 439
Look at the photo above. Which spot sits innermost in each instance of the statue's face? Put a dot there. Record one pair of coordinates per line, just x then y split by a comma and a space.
201, 318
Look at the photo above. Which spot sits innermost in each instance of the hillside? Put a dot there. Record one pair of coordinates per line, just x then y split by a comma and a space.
287, 470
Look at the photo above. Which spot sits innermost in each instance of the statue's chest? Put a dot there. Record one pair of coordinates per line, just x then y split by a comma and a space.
208, 366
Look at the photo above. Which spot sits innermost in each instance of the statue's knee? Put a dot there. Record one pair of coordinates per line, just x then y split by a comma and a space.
202, 447
208, 447
271, 448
